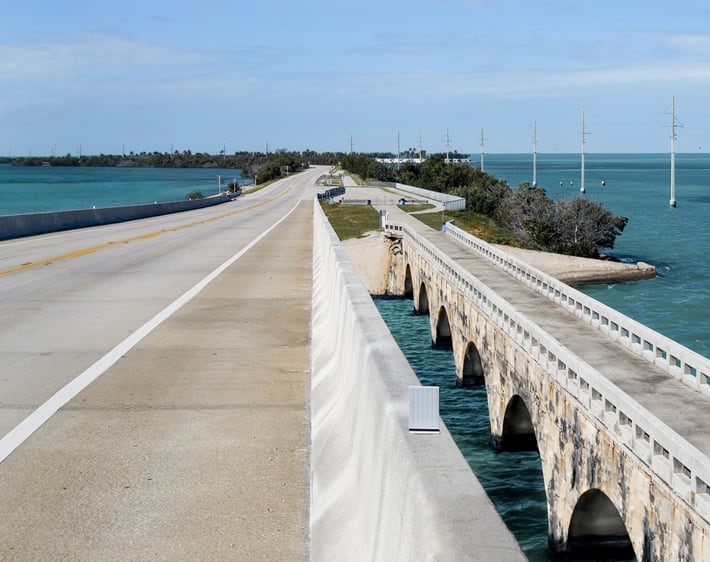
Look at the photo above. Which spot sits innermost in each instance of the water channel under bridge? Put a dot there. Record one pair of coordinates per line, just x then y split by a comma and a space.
617, 411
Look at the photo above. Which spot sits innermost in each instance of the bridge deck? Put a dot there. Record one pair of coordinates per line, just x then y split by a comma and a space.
684, 410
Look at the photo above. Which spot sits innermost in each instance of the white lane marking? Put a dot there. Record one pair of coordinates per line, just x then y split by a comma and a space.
36, 419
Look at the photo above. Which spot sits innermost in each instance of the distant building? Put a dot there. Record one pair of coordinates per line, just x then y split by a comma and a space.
400, 160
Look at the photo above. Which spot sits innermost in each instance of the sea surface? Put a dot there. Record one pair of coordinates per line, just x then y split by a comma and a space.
49, 189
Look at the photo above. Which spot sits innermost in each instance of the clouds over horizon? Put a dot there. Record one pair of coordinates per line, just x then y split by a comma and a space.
275, 85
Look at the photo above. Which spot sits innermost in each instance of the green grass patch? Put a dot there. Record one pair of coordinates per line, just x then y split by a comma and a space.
329, 180
416, 207
351, 221
358, 180
479, 225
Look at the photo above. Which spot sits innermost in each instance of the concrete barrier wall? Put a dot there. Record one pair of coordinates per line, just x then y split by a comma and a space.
16, 226
380, 492
452, 202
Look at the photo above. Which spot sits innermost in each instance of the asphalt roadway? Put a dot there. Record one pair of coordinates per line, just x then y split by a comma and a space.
154, 385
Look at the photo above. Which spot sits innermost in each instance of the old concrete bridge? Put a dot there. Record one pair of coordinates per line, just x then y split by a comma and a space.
618, 412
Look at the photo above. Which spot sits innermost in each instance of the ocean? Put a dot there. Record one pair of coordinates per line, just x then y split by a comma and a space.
49, 189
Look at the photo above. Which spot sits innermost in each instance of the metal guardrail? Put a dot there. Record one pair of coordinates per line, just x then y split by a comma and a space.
665, 453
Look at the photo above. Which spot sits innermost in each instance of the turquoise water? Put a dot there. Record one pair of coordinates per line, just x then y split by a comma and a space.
675, 240
48, 189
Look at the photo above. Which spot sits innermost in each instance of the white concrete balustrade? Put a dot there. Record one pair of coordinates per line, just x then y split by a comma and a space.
677, 360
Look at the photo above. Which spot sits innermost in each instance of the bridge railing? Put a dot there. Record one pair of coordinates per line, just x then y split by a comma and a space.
665, 453
677, 360
450, 202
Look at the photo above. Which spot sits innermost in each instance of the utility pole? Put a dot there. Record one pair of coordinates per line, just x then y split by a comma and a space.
534, 182
420, 147
673, 138
482, 139
447, 145
398, 151
584, 133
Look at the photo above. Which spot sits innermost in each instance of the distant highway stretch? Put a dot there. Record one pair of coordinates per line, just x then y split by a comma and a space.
67, 299
77, 303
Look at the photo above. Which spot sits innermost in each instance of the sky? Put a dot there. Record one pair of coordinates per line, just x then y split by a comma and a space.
371, 75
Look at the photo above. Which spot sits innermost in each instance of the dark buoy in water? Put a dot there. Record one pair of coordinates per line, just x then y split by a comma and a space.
603, 183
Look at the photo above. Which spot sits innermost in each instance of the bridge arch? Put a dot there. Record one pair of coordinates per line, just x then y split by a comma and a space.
552, 407
421, 305
518, 430
408, 285
472, 373
597, 529
442, 335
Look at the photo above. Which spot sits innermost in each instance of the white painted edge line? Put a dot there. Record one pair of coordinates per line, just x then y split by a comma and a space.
36, 419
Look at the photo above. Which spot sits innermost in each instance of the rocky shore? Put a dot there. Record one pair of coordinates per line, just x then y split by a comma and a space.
582, 271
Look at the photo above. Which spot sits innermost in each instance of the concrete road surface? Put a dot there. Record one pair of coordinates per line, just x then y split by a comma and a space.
154, 386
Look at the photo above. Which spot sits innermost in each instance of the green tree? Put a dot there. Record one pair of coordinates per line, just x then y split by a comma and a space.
530, 215
584, 226
359, 165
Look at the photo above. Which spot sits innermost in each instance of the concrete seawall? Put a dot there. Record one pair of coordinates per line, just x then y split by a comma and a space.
16, 226
380, 492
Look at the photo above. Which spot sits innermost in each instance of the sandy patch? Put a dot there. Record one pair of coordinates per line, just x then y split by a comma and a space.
370, 258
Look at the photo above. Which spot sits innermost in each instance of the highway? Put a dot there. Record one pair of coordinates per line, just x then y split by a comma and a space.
154, 385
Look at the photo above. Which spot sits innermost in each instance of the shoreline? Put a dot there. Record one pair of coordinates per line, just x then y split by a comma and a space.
576, 271
370, 258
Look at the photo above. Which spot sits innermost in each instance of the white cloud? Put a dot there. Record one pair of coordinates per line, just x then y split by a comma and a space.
691, 43
93, 58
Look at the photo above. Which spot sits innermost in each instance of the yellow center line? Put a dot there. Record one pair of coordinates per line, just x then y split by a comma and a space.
154, 234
